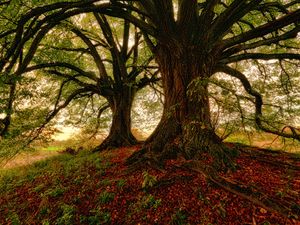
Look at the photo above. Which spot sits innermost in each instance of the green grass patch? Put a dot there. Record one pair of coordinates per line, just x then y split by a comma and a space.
106, 197
67, 215
121, 183
179, 218
264, 140
13, 218
54, 167
149, 201
52, 148
97, 217
55, 192
51, 181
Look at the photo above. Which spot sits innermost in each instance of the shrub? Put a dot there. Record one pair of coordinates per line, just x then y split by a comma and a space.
149, 201
148, 181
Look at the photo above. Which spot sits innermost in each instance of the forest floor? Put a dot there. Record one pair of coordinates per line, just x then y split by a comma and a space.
98, 188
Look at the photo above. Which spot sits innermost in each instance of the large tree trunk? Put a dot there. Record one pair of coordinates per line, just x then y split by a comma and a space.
120, 134
185, 127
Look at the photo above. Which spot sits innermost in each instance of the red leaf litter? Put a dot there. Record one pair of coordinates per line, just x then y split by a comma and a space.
179, 196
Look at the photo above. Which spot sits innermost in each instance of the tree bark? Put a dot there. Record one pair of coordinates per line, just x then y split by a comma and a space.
185, 127
120, 134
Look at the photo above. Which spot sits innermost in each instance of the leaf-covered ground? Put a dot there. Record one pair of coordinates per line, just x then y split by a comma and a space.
98, 189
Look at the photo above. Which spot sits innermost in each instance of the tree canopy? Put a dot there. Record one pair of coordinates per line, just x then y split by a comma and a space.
191, 41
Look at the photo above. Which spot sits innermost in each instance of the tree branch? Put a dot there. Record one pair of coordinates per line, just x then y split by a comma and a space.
274, 40
231, 15
295, 133
293, 17
93, 50
261, 56
119, 67
5, 3
64, 65
100, 111
52, 114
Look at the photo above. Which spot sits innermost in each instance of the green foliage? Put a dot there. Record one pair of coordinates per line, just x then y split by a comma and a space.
221, 210
10, 147
179, 218
99, 217
148, 180
56, 192
105, 182
39, 188
266, 223
44, 211
52, 148
13, 218
45, 222
106, 197
149, 201
121, 183
67, 215
203, 198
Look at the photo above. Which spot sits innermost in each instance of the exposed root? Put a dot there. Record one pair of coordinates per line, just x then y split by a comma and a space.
199, 141
155, 159
112, 142
272, 204
141, 159
222, 156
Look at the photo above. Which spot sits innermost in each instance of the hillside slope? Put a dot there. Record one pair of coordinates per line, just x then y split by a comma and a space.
98, 189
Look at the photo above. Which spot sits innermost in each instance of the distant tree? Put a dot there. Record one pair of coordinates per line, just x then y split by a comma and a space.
120, 68
22, 27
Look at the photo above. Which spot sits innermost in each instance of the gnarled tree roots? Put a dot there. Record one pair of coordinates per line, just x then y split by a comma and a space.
273, 204
213, 150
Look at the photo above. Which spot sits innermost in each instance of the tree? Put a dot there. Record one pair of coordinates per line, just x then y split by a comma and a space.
193, 40
121, 70
119, 92
22, 29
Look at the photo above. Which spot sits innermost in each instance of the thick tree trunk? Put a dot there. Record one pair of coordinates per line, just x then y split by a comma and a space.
185, 127
120, 134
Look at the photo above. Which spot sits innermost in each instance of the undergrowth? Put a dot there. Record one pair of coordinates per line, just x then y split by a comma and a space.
95, 188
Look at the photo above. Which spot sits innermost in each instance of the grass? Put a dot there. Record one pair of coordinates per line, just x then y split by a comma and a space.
264, 140
29, 157
62, 164
53, 179
90, 188
258, 139
106, 197
52, 148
